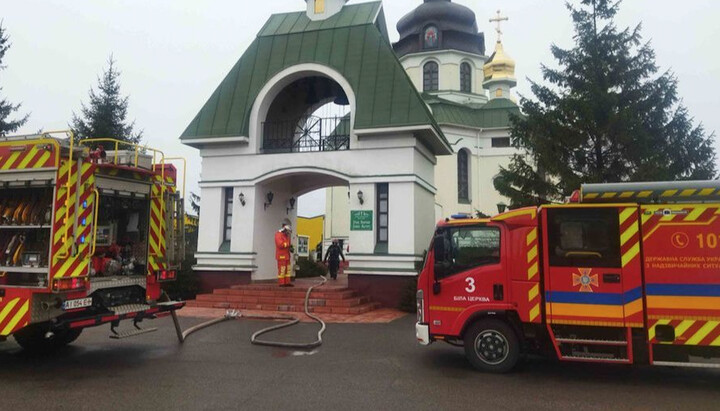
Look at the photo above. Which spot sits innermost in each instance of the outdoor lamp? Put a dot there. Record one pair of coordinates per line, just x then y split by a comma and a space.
501, 207
292, 204
361, 197
269, 196
241, 197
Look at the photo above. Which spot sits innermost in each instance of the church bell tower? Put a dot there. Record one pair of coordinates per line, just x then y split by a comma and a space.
323, 9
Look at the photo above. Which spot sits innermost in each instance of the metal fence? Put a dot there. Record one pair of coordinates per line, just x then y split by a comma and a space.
307, 135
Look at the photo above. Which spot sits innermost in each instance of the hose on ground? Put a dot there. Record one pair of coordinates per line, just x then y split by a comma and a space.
291, 320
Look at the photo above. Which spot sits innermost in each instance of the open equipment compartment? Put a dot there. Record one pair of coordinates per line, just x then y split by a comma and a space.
25, 227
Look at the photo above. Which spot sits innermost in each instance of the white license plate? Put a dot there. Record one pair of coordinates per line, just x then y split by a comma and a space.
75, 304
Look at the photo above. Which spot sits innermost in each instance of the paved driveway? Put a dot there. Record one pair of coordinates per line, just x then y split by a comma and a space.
366, 366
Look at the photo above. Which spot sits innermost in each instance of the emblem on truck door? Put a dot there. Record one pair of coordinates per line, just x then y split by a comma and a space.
585, 280
680, 240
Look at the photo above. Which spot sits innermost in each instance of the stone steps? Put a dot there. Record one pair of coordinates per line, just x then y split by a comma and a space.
313, 302
354, 310
332, 299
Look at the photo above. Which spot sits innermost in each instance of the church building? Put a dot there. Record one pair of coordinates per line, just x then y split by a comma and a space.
403, 133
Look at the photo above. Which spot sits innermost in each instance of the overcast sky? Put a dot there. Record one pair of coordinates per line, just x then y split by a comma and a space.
174, 53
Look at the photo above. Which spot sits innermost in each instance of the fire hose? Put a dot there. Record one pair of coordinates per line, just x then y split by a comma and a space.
290, 321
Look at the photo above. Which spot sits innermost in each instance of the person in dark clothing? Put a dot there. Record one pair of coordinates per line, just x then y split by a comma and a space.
333, 255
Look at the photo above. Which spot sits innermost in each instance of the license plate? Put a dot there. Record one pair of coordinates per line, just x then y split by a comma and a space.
75, 304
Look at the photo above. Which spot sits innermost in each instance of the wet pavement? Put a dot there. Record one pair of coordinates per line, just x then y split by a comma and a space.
361, 366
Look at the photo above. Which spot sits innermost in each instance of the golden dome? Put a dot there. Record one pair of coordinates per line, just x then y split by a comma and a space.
500, 66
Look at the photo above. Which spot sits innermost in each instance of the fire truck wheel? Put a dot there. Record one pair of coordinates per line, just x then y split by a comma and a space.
492, 345
35, 338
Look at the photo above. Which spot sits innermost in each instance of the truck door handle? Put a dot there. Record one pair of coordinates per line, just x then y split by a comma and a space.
611, 278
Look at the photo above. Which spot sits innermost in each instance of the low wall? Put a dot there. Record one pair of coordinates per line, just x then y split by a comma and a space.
385, 289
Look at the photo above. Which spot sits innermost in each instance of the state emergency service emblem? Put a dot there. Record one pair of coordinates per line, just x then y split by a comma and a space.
585, 280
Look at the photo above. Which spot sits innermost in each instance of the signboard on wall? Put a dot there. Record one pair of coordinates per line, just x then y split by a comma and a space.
303, 246
361, 220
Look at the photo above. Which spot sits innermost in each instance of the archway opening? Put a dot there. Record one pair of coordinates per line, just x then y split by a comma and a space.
316, 205
309, 114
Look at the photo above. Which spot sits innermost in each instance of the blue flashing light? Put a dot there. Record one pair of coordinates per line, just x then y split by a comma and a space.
85, 204
84, 221
82, 240
461, 216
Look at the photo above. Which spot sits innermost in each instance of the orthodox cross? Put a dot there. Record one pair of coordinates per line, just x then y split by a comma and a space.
499, 19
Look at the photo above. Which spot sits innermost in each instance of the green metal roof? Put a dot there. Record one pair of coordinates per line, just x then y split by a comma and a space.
494, 114
353, 42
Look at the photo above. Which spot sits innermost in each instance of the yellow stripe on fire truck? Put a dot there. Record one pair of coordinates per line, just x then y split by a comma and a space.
14, 315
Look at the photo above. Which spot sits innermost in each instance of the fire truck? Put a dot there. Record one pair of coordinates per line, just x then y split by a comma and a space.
87, 237
622, 273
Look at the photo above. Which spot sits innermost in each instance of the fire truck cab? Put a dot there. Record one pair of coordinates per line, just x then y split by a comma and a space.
622, 273
87, 236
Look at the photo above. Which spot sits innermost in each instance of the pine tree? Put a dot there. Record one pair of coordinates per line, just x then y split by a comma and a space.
605, 116
6, 108
105, 115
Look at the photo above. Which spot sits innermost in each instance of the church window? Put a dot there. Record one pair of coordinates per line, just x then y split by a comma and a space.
227, 215
501, 142
430, 77
430, 40
498, 93
463, 167
383, 213
319, 6
465, 78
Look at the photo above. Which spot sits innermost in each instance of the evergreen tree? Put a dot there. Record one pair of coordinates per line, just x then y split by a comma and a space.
6, 108
105, 115
605, 116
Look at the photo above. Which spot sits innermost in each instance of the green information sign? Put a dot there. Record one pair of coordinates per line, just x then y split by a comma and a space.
361, 220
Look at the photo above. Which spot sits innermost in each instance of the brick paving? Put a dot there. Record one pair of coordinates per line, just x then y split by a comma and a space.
333, 302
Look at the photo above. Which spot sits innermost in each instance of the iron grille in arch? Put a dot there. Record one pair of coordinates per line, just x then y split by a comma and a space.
307, 135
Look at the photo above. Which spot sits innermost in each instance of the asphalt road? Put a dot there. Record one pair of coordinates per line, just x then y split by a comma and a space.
375, 366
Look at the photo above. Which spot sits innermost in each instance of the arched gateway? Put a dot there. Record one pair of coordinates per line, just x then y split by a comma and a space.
262, 145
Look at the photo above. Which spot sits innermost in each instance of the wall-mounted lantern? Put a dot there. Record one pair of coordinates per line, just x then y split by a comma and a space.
361, 197
241, 197
269, 196
292, 204
501, 207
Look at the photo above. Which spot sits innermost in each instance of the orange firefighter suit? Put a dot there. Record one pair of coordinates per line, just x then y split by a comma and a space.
282, 255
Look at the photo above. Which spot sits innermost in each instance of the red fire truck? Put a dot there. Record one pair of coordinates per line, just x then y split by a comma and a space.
87, 236
622, 273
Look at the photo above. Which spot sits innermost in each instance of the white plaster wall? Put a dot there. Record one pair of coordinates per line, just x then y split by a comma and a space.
363, 242
402, 218
243, 216
424, 219
337, 207
449, 73
211, 215
485, 166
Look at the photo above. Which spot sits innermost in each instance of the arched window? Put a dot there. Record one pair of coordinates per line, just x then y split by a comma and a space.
465, 78
463, 167
430, 76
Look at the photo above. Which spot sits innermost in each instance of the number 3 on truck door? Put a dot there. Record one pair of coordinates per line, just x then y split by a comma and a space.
470, 285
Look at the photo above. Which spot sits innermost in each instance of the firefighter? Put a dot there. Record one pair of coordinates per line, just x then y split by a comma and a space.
333, 254
283, 248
